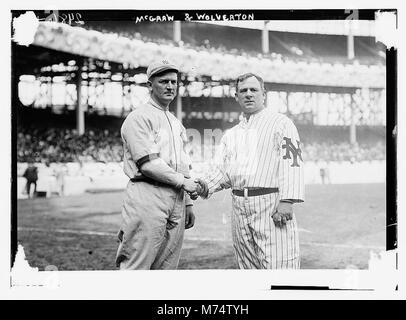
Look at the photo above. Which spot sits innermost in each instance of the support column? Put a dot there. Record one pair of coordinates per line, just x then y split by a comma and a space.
350, 44
353, 131
350, 56
265, 39
80, 115
316, 118
177, 36
179, 107
176, 31
50, 92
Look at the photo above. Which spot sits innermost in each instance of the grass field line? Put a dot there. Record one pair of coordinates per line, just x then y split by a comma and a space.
343, 246
85, 232
197, 238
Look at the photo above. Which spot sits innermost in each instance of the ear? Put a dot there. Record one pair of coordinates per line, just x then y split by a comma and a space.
149, 85
236, 96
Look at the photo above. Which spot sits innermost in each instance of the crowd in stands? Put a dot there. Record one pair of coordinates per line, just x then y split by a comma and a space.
288, 51
203, 46
293, 59
344, 151
97, 145
65, 145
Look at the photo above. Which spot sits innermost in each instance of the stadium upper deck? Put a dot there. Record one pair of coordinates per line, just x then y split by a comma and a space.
135, 50
242, 41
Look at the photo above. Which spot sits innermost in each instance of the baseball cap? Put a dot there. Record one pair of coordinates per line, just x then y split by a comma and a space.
159, 66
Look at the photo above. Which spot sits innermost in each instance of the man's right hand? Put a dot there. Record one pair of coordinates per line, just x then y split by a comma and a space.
202, 189
195, 188
189, 186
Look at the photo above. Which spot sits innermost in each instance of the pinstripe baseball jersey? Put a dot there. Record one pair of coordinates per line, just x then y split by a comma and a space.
261, 152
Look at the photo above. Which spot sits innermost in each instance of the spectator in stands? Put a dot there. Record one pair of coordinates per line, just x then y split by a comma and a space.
31, 175
64, 145
206, 44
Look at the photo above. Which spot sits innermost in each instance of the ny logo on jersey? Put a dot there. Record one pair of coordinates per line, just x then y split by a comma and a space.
291, 149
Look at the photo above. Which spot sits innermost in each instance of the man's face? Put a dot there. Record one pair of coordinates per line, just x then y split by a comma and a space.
164, 87
250, 95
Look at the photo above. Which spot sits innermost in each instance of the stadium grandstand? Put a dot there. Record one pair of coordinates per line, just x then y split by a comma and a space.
247, 42
74, 85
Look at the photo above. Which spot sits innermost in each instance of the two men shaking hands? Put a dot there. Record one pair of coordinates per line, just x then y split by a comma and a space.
196, 188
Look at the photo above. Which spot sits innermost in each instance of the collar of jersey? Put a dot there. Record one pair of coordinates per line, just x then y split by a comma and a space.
156, 105
254, 115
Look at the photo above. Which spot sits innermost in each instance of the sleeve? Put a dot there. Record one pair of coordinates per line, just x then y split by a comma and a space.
138, 135
218, 179
158, 170
291, 171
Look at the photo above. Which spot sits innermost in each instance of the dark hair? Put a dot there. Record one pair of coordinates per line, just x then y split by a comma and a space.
249, 75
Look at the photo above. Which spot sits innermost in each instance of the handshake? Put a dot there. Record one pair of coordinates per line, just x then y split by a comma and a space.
195, 188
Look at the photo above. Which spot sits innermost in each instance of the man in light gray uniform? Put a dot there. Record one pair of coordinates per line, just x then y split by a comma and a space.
156, 208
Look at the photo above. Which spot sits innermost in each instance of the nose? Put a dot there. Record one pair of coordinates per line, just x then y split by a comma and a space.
170, 85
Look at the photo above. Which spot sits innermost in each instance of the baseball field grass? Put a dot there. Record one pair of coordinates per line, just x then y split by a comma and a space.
339, 226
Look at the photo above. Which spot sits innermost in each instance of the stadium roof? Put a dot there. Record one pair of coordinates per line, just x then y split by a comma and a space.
136, 53
332, 27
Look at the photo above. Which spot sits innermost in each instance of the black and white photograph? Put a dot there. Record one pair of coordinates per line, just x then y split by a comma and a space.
204, 140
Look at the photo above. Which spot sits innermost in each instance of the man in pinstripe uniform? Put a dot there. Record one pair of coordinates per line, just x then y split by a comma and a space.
260, 160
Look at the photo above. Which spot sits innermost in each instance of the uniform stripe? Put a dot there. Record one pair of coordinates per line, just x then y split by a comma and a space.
260, 146
264, 155
287, 244
246, 248
281, 246
292, 240
275, 246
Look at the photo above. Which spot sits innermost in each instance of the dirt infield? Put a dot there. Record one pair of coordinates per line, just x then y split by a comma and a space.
339, 226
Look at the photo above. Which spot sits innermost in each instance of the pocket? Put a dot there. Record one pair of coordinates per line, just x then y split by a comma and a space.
120, 235
175, 218
178, 213
122, 253
267, 203
127, 236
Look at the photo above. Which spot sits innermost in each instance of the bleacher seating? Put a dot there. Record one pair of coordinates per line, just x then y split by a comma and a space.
103, 145
247, 42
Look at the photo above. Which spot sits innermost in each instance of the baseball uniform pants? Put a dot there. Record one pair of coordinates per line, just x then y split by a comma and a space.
154, 222
258, 242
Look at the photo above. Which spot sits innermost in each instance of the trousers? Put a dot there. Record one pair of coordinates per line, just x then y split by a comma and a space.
258, 243
152, 230
28, 187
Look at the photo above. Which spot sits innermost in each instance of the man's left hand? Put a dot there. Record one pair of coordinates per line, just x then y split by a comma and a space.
189, 218
284, 213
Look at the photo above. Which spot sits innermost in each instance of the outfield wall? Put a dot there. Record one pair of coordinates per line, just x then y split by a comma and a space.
96, 177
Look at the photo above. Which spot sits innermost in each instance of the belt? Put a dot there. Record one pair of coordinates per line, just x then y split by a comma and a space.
252, 192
